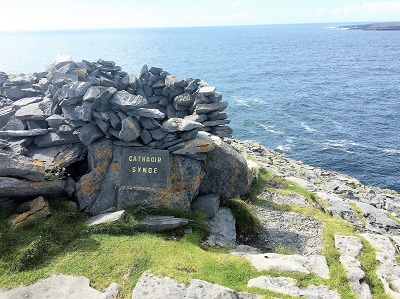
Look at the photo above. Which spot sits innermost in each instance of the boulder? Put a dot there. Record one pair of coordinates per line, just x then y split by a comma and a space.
226, 172
124, 101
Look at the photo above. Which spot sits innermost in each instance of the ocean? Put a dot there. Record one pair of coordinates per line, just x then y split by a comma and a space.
326, 96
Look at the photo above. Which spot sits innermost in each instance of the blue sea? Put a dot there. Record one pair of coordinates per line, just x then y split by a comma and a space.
326, 96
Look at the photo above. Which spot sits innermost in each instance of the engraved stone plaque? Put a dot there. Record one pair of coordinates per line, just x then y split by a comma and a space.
144, 168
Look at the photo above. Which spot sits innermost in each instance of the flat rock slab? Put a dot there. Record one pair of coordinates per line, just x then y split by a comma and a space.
152, 287
338, 206
106, 218
288, 286
161, 223
350, 247
61, 287
388, 270
22, 167
286, 263
20, 188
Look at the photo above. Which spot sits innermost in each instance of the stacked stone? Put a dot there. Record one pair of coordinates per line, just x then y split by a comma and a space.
84, 101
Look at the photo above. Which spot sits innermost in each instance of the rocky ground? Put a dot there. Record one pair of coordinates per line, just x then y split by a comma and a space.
291, 242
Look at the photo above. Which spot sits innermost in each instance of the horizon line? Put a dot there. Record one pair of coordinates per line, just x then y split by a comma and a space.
183, 27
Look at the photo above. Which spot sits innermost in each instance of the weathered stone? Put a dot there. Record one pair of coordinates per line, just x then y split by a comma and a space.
178, 125
24, 133
145, 136
26, 101
55, 120
125, 101
161, 223
89, 187
208, 204
21, 79
222, 228
59, 78
337, 206
208, 108
4, 143
226, 172
152, 287
158, 134
16, 93
188, 135
107, 217
287, 263
85, 111
289, 286
30, 211
70, 188
102, 102
388, 270
213, 123
21, 167
61, 286
201, 144
36, 124
130, 130
21, 188
51, 139
92, 93
377, 219
350, 247
5, 115
185, 100
196, 117
35, 111
69, 112
89, 133
146, 112
207, 90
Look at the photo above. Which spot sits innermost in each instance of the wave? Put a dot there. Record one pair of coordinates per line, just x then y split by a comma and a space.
248, 102
284, 148
271, 129
307, 127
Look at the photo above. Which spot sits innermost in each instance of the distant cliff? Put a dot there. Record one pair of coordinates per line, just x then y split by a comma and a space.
375, 26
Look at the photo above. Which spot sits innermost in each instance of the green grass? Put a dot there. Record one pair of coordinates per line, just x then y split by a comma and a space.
63, 243
358, 212
394, 218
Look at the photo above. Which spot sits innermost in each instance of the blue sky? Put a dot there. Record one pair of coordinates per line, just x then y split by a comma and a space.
88, 14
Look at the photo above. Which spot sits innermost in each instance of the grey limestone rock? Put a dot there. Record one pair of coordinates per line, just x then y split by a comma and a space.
350, 247
89, 133
125, 101
106, 217
208, 204
5, 115
35, 111
289, 286
51, 139
26, 101
92, 93
62, 287
130, 130
21, 167
23, 133
152, 287
146, 112
161, 223
208, 108
222, 228
21, 188
226, 172
179, 125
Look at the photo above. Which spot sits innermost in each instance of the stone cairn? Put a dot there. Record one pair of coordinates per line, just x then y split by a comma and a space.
60, 131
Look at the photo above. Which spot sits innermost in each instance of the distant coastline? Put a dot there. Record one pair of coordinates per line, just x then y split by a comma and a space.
374, 26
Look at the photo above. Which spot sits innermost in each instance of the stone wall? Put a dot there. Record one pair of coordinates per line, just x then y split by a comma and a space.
62, 131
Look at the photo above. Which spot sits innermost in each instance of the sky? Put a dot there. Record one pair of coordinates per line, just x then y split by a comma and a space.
93, 14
